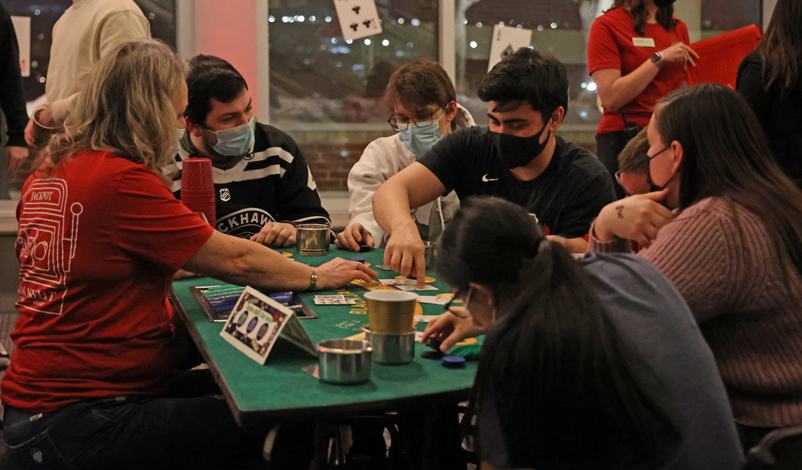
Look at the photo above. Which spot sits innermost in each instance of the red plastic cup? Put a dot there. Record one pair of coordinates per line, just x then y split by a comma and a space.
196, 175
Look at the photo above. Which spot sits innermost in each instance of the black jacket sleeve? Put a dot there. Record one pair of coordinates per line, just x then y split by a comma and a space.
750, 85
12, 98
299, 201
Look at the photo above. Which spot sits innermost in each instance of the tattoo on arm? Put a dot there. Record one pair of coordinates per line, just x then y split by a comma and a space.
620, 210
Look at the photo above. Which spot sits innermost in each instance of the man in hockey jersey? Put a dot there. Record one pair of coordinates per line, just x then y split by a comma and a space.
262, 184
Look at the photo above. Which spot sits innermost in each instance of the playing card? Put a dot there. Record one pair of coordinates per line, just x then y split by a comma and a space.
358, 18
330, 297
425, 318
414, 287
507, 40
424, 299
334, 302
384, 267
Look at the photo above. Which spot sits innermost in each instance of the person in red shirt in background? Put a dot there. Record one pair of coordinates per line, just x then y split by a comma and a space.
92, 381
637, 53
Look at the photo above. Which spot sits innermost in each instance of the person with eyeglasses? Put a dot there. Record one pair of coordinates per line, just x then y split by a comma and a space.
734, 250
423, 102
588, 364
262, 183
518, 157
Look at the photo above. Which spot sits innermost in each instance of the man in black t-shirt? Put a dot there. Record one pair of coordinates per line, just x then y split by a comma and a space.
517, 158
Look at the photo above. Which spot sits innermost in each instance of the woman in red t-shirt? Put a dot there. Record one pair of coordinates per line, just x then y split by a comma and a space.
91, 382
637, 53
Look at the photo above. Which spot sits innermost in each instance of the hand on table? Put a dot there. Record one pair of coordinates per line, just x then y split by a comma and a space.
637, 218
405, 253
681, 53
450, 329
15, 156
339, 272
353, 235
276, 234
183, 274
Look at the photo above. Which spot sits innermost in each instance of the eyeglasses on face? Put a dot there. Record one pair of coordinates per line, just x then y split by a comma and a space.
402, 123
447, 306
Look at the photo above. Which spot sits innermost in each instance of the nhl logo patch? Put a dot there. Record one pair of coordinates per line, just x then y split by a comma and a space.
225, 195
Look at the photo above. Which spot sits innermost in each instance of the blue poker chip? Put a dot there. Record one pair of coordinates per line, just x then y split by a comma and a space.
358, 259
453, 362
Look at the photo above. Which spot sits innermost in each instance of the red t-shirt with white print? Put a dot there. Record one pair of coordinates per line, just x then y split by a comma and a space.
99, 241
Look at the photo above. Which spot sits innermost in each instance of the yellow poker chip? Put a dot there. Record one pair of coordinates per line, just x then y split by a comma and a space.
466, 342
366, 264
445, 296
427, 279
286, 254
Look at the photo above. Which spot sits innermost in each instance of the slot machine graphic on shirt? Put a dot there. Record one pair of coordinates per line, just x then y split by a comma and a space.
46, 242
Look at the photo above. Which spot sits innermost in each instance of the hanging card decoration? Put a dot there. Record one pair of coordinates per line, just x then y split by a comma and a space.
358, 18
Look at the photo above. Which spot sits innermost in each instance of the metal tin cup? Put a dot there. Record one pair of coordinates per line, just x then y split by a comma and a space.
429, 248
344, 361
390, 312
312, 239
392, 349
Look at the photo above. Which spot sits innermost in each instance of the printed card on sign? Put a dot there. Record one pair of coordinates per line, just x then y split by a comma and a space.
257, 322
507, 40
358, 18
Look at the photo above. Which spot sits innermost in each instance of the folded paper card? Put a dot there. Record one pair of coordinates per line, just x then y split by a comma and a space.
257, 322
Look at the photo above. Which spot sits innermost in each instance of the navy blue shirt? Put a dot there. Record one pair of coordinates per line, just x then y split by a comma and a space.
652, 317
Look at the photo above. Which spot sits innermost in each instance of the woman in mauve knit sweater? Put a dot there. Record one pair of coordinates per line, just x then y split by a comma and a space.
732, 247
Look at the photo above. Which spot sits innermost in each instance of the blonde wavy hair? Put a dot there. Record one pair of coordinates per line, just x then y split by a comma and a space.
126, 108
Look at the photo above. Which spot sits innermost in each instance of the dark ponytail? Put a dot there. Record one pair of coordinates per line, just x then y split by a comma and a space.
553, 365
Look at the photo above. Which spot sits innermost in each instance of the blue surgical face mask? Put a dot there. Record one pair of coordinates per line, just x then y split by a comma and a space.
420, 138
235, 142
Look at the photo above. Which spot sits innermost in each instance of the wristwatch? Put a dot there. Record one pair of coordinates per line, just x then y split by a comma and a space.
657, 59
313, 282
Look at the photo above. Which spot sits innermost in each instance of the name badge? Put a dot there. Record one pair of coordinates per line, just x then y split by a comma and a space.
643, 42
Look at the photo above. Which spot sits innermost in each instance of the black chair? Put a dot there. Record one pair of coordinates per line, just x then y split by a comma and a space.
780, 449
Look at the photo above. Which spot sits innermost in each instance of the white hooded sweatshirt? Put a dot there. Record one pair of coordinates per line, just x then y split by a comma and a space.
383, 158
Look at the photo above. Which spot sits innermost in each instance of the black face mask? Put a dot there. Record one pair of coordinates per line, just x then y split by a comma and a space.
663, 3
519, 151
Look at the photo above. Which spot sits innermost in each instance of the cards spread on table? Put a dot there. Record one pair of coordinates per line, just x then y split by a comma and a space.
256, 323
384, 267
406, 285
358, 18
414, 287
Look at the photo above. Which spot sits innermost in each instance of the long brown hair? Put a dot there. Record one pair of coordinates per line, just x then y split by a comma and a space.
781, 47
725, 154
126, 108
664, 17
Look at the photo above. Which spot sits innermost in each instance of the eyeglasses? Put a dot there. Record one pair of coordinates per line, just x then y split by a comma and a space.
403, 123
447, 306
618, 178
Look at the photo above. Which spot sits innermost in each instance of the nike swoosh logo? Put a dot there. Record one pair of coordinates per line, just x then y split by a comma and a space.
487, 180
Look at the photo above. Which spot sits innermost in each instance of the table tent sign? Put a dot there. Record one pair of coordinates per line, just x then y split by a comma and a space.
257, 322
358, 18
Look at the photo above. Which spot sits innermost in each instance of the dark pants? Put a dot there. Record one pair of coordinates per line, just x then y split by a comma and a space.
171, 432
608, 146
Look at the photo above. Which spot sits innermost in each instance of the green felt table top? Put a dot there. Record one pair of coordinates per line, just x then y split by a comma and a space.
280, 388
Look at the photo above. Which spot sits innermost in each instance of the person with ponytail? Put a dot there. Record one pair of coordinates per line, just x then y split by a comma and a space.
637, 53
726, 229
595, 364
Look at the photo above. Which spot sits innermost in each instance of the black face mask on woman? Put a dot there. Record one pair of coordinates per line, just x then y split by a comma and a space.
663, 3
519, 151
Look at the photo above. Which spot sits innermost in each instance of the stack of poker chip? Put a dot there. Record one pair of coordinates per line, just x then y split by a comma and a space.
197, 187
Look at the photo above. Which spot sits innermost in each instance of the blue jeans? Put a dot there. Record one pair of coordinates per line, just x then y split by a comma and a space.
136, 433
